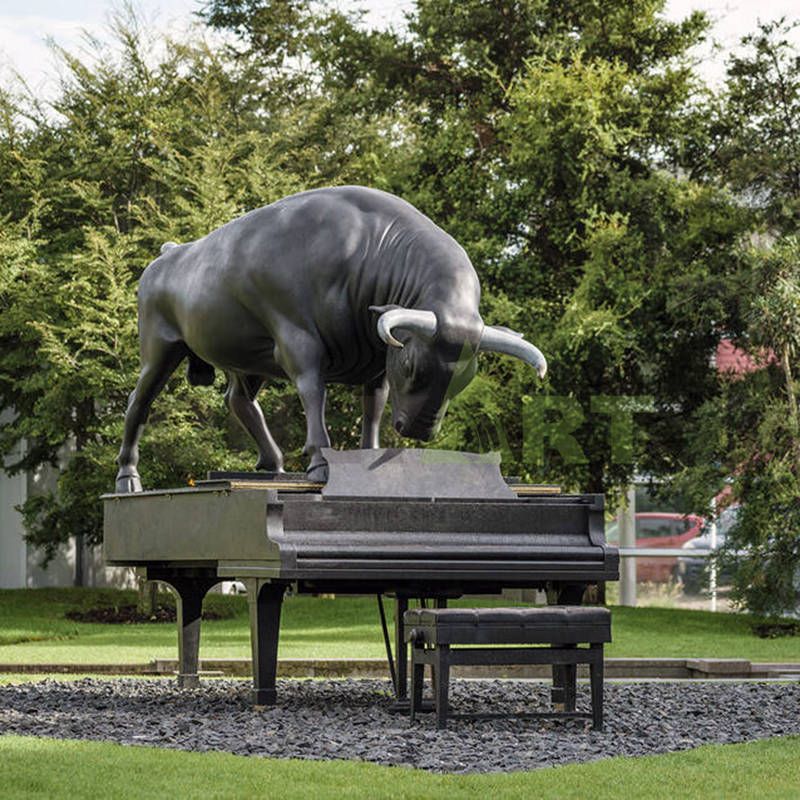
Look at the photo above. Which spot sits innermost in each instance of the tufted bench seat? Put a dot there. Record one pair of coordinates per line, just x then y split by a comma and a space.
433, 632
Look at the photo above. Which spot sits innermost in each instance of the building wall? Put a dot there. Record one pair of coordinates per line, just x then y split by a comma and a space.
20, 564
13, 550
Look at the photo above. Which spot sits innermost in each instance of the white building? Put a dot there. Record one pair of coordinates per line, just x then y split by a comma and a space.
20, 563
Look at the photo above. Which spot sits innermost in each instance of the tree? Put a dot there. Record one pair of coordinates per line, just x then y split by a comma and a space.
747, 436
547, 140
747, 431
559, 144
756, 132
134, 151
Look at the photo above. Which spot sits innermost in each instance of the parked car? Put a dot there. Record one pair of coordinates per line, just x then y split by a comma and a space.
659, 529
692, 570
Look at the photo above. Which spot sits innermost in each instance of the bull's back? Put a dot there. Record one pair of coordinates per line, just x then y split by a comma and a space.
312, 261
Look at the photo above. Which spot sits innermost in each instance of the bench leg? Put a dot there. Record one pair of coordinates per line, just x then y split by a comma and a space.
442, 684
570, 686
596, 679
557, 690
400, 649
417, 679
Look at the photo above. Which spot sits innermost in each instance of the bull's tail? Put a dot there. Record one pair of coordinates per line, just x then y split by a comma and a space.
199, 372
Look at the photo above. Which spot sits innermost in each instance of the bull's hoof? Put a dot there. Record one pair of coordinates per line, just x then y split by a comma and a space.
128, 482
318, 473
269, 466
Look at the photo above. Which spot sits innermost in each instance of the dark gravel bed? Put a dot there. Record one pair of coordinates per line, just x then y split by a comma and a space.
351, 719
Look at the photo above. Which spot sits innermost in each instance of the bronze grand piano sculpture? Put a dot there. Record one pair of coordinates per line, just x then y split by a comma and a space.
347, 285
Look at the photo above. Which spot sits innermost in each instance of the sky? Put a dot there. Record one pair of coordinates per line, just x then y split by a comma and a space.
26, 25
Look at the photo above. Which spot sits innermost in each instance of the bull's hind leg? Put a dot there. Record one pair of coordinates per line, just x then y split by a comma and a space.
159, 360
241, 399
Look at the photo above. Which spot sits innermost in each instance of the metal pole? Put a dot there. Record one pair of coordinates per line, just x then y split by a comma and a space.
387, 643
712, 573
627, 538
79, 574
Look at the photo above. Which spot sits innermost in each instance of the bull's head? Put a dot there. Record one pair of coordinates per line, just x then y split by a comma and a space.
428, 364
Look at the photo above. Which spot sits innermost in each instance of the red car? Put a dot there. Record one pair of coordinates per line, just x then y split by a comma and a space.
658, 529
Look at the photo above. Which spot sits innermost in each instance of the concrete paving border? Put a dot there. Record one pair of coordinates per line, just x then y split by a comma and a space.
615, 668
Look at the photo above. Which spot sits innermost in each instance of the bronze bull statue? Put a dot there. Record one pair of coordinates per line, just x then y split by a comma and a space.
341, 285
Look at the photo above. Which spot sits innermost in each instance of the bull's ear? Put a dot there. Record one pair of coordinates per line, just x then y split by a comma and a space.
383, 309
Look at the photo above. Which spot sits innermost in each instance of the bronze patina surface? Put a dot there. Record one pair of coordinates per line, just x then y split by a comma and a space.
341, 285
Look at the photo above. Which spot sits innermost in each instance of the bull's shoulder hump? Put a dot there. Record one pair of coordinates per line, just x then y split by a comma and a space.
361, 200
384, 209
328, 203
346, 208
374, 201
357, 198
353, 210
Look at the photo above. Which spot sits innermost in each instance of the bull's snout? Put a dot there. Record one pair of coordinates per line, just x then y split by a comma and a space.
425, 435
420, 432
420, 426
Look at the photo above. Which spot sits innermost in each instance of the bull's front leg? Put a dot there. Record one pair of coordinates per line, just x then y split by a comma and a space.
374, 401
160, 358
311, 388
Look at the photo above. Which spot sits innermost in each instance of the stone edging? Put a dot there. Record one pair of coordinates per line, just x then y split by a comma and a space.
627, 668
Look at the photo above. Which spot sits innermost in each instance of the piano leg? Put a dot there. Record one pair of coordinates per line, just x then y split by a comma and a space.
190, 592
570, 684
265, 600
571, 594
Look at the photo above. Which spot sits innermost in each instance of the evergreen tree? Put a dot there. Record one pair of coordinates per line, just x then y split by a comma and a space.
135, 150
605, 196
747, 433
548, 139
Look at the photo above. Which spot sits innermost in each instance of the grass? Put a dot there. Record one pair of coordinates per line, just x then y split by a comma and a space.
35, 767
33, 630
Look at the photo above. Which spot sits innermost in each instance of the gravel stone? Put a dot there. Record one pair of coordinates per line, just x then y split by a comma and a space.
335, 719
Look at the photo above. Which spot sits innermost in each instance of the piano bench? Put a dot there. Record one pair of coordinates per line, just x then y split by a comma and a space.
432, 633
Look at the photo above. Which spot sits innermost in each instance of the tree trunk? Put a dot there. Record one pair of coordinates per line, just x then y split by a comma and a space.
793, 412
147, 601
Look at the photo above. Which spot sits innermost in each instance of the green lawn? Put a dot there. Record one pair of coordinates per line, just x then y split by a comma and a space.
69, 769
33, 630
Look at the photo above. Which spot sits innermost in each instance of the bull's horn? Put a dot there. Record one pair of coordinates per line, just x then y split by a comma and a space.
496, 339
412, 319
